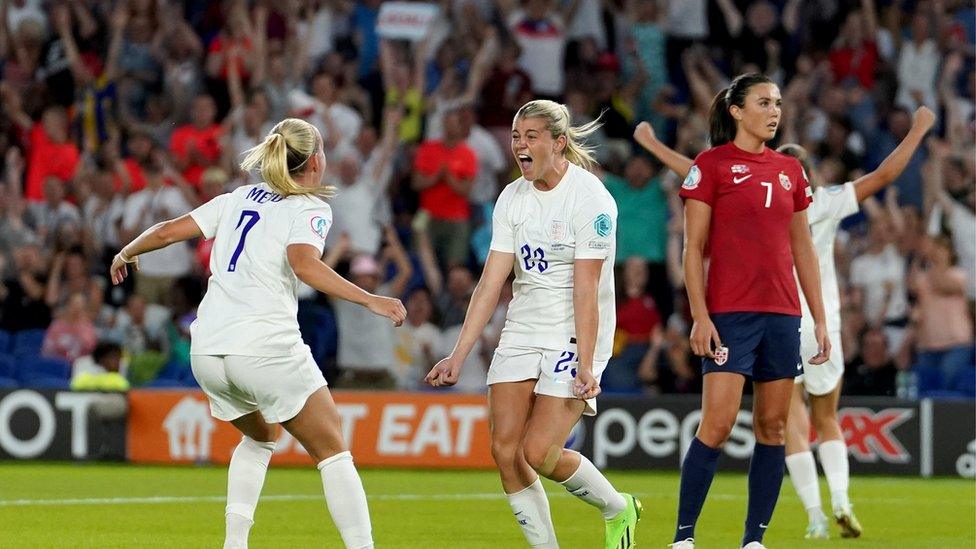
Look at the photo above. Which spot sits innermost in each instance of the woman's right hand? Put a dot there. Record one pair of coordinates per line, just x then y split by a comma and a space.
445, 373
703, 334
644, 134
389, 307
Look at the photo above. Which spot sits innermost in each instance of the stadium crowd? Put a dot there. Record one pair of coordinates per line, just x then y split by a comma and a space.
120, 114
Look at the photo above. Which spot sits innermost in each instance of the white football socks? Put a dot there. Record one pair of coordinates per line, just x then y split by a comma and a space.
245, 478
531, 508
803, 474
346, 500
589, 485
833, 458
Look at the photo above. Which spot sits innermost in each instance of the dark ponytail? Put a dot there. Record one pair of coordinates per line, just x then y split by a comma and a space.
721, 125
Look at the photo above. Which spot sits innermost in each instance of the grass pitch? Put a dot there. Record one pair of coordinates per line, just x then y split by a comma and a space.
106, 506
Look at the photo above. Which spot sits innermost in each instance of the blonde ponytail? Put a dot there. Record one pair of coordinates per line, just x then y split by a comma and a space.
557, 119
285, 152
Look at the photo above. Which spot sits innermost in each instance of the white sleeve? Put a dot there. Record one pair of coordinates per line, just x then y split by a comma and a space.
835, 202
207, 216
595, 227
502, 231
311, 226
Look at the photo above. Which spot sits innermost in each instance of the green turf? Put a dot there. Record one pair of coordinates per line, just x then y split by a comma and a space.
431, 510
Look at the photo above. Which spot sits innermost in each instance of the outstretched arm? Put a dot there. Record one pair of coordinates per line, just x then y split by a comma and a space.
158, 236
306, 261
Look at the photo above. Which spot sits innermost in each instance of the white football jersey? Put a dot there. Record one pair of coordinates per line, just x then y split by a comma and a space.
830, 206
251, 302
547, 231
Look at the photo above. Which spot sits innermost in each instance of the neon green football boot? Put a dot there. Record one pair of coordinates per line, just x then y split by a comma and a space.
622, 529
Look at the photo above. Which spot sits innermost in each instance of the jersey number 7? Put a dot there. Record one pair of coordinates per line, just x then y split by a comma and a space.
252, 218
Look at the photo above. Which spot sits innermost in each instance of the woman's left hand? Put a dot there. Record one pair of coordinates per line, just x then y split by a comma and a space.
119, 269
823, 344
585, 385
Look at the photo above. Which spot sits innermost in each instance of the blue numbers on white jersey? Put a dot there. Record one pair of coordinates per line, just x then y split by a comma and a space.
565, 359
252, 218
534, 259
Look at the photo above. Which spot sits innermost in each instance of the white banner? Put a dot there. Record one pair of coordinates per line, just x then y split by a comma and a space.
405, 20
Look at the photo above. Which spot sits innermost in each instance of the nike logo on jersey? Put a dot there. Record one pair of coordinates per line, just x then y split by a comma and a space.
737, 180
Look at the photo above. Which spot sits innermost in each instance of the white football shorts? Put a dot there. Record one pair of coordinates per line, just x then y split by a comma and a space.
277, 386
554, 371
822, 379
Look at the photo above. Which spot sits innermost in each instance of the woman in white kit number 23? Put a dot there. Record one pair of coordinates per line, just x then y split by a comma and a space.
555, 226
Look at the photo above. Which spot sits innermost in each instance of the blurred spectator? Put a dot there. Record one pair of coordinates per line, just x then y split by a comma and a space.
419, 341
24, 306
196, 146
72, 334
141, 327
872, 372
366, 341
879, 275
50, 153
854, 55
540, 30
157, 202
361, 201
54, 214
944, 327
640, 333
444, 175
100, 371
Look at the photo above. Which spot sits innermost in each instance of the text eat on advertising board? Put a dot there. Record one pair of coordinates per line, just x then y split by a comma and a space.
395, 429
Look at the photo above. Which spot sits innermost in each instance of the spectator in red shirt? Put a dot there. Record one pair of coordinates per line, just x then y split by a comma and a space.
50, 152
854, 54
639, 331
196, 146
444, 173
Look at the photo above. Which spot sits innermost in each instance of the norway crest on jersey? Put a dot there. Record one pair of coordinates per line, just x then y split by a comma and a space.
784, 180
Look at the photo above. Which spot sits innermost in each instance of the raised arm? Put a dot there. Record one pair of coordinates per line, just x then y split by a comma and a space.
482, 305
808, 271
892, 166
306, 261
675, 161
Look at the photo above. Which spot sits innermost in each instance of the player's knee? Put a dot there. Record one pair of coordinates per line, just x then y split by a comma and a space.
714, 434
825, 422
770, 429
505, 453
543, 458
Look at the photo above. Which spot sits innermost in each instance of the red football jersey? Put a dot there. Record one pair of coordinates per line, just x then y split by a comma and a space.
753, 199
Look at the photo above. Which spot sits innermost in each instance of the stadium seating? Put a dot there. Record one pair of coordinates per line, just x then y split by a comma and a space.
5, 339
8, 372
27, 342
43, 373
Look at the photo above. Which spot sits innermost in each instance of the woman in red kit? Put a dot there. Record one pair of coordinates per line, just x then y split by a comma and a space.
748, 203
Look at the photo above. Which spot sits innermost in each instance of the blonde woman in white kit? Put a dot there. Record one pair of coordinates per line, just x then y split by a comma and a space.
246, 350
555, 226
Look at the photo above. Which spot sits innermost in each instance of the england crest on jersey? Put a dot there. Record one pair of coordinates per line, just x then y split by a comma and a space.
784, 180
557, 231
